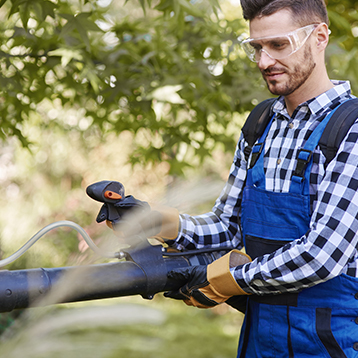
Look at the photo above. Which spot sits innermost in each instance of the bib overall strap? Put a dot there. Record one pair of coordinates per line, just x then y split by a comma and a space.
300, 178
256, 174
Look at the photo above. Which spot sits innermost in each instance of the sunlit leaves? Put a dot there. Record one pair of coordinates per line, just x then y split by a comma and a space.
29, 8
111, 62
342, 51
81, 24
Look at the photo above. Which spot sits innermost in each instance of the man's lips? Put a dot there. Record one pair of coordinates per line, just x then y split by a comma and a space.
273, 75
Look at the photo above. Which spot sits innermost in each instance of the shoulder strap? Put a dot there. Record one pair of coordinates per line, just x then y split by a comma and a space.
333, 135
338, 127
256, 123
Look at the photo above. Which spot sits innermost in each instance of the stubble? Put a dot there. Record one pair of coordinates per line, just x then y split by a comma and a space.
296, 77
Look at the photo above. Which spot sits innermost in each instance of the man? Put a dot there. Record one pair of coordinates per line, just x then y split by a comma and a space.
301, 281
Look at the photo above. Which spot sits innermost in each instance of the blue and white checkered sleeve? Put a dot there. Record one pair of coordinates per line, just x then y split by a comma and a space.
218, 228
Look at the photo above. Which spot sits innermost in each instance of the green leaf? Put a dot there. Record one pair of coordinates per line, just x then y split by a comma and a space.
24, 11
86, 23
43, 8
84, 36
142, 4
82, 24
15, 6
67, 55
339, 21
69, 27
37, 8
191, 9
48, 8
164, 5
215, 6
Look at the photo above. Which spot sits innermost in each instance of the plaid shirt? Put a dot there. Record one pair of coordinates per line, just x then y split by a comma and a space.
329, 248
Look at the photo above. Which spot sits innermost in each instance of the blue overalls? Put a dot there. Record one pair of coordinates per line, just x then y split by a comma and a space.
321, 321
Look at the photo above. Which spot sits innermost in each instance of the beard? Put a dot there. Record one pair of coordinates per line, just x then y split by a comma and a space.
296, 77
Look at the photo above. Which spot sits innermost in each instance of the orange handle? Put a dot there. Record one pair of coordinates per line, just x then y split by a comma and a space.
112, 195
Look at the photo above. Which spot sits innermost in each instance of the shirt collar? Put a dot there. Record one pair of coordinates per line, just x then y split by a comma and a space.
340, 92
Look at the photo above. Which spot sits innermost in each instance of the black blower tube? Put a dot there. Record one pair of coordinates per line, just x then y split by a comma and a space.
24, 288
143, 273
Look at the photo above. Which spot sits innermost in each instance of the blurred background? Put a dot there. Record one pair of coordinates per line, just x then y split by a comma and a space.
151, 93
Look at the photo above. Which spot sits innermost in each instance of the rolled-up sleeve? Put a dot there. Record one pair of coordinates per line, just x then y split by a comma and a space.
220, 227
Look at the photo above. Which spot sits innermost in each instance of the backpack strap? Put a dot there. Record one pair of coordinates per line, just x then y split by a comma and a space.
256, 123
337, 128
332, 137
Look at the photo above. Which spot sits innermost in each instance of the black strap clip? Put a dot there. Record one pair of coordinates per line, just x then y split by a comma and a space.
256, 151
303, 158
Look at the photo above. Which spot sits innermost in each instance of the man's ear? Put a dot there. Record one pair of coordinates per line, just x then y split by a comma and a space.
322, 36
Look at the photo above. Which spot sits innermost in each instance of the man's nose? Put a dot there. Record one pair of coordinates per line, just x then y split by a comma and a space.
265, 60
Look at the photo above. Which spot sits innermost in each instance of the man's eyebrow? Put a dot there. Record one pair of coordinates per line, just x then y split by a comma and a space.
268, 39
256, 43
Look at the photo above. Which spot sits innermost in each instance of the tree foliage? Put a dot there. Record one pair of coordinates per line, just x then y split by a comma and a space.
171, 70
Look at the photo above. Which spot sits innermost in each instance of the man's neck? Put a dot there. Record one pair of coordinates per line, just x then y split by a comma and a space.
316, 86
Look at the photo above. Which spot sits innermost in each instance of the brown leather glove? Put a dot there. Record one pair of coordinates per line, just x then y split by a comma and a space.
208, 286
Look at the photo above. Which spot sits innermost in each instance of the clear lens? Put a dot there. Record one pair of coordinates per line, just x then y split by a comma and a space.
277, 47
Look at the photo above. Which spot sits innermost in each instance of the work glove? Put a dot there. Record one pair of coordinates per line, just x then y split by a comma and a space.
161, 223
119, 210
208, 286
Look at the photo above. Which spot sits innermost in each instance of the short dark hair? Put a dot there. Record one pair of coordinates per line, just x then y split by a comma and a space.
304, 12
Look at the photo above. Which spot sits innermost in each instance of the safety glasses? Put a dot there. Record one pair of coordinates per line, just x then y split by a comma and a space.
277, 47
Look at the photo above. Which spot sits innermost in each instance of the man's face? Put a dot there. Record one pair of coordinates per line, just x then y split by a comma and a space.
283, 77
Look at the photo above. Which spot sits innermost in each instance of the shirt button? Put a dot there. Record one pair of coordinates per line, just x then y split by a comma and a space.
291, 125
356, 320
279, 162
356, 296
355, 346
